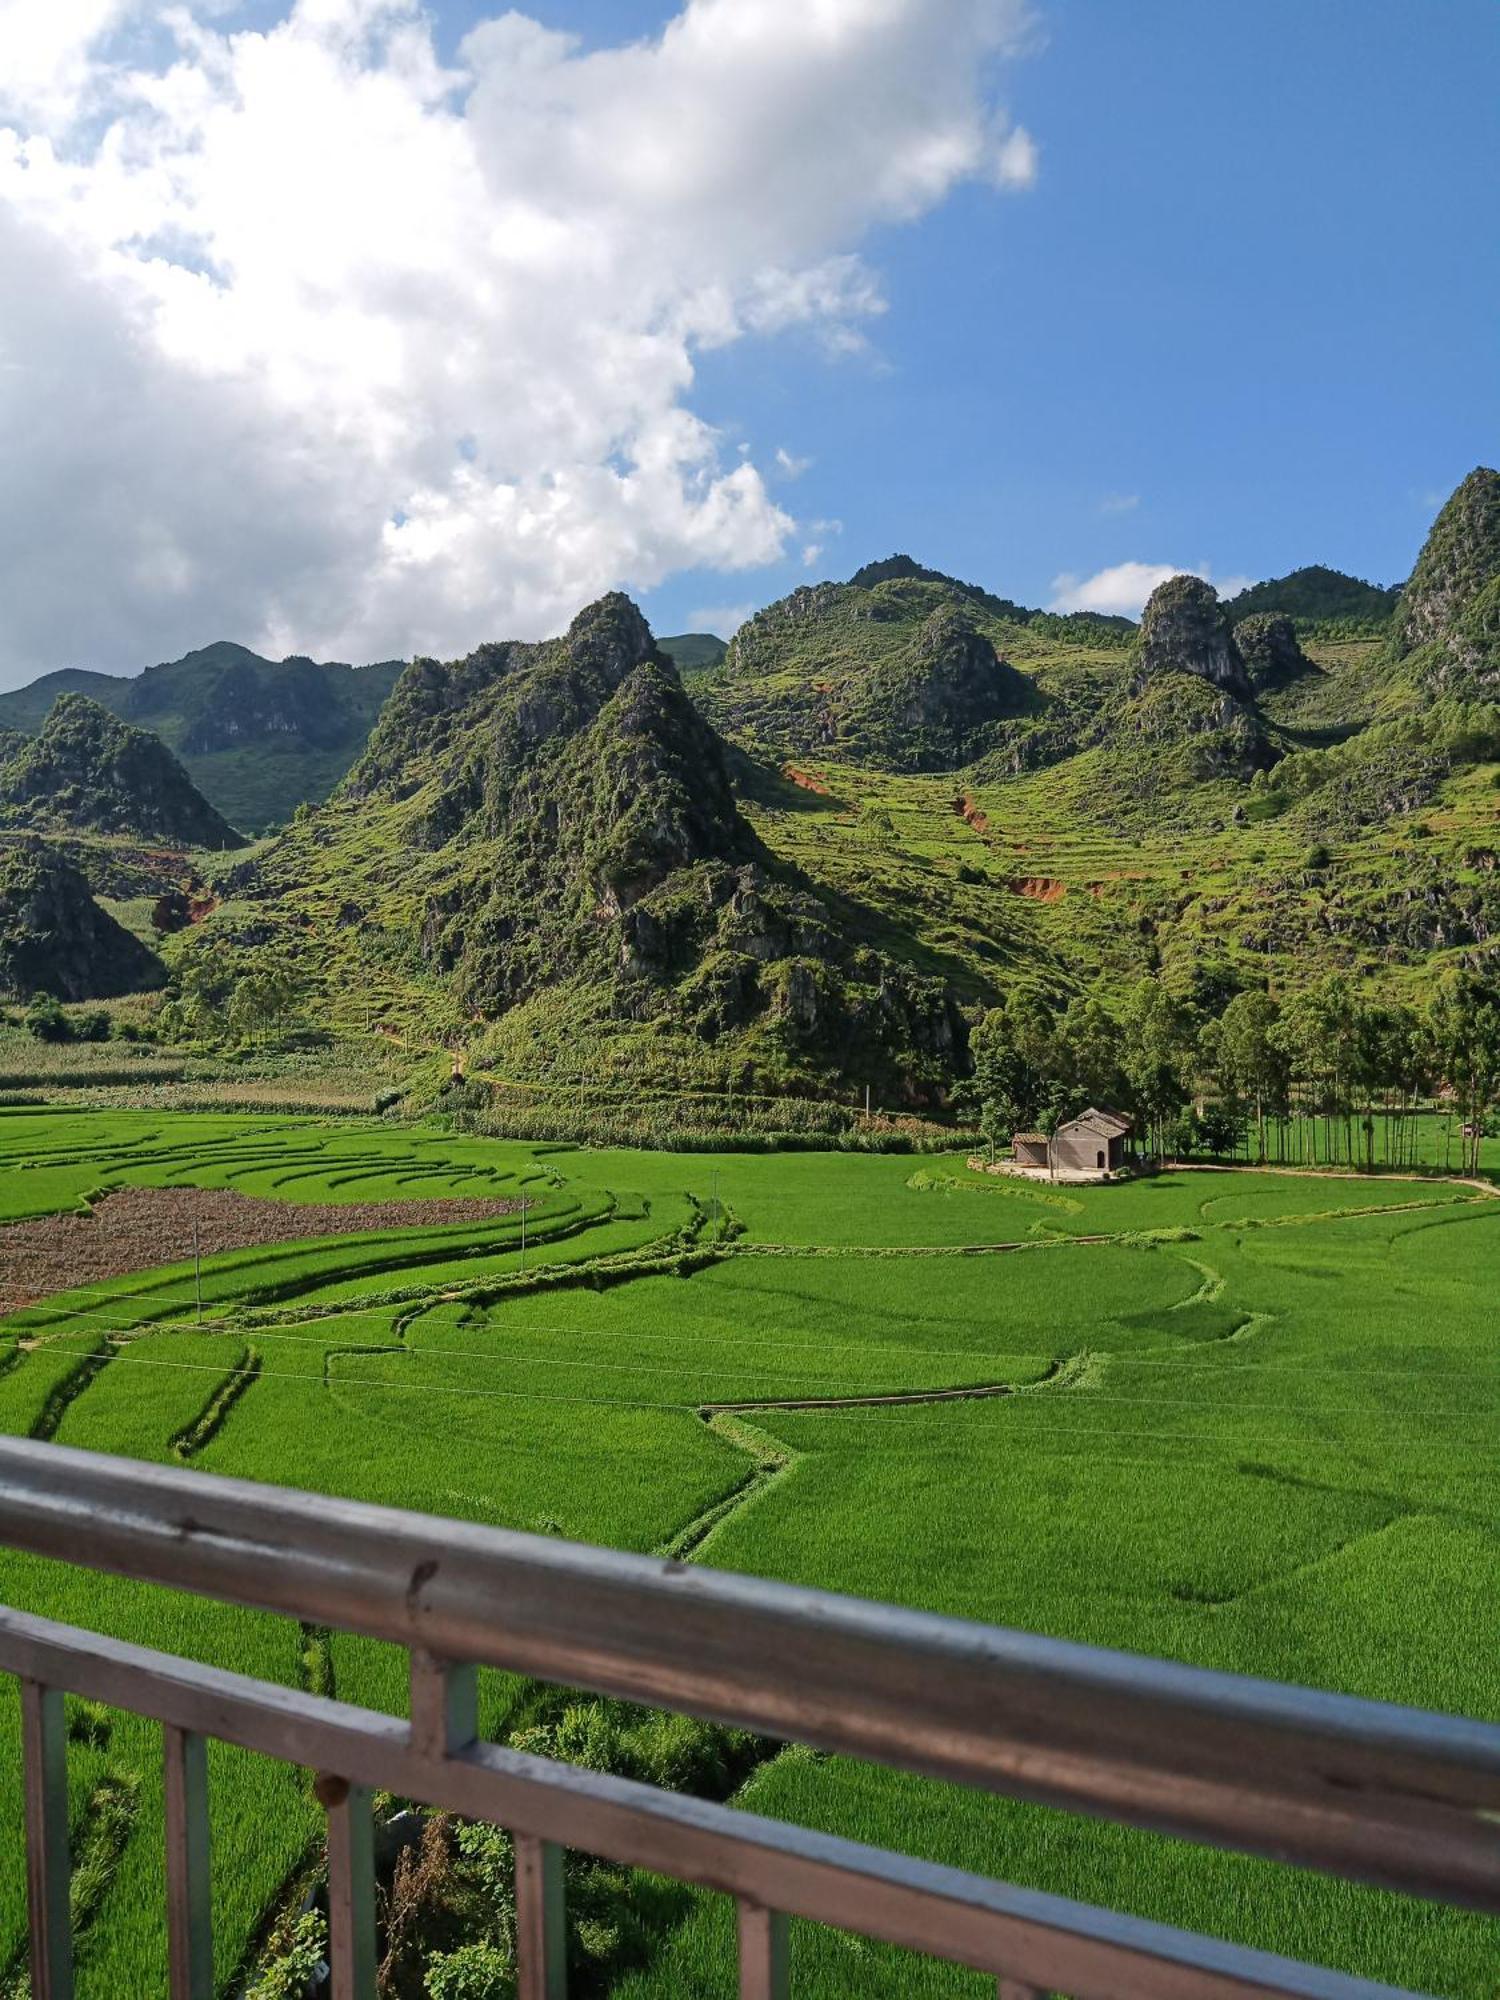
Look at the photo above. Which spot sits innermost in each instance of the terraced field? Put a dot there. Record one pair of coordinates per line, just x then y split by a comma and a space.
1247, 1420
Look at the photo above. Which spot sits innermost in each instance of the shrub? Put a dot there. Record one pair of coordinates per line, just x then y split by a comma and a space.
46, 1020
293, 1958
473, 1972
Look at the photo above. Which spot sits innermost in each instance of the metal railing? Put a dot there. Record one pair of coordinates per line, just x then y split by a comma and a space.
1376, 1794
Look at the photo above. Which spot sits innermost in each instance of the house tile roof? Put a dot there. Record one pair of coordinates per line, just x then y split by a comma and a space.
1097, 1120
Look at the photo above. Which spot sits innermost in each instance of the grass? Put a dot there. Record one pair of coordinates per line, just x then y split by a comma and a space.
1251, 1429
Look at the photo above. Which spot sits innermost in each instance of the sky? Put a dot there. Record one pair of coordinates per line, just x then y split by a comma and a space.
362, 329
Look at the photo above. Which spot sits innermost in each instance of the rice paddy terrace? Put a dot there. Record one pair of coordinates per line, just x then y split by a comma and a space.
1242, 1419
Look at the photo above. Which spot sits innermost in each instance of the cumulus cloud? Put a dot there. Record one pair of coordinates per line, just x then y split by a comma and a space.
1119, 503
1122, 589
312, 340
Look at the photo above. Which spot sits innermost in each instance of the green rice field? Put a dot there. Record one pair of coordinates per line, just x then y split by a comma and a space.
1248, 1420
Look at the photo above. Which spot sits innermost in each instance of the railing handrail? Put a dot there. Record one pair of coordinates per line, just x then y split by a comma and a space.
1368, 1790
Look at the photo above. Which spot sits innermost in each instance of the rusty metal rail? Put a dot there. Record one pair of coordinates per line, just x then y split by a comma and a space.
1374, 1793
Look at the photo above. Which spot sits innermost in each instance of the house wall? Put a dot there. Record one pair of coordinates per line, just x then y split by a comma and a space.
1030, 1156
1079, 1152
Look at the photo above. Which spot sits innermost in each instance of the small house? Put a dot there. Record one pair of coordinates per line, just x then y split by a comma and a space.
1096, 1142
1029, 1149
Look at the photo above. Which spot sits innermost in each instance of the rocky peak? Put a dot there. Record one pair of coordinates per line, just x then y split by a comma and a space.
1184, 631
54, 938
1269, 647
609, 638
1460, 560
88, 769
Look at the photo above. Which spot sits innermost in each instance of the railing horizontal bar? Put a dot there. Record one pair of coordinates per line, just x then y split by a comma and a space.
1363, 1789
1044, 1941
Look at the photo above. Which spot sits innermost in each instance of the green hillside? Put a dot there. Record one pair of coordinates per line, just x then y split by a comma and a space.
689, 651
258, 737
87, 771
542, 847
894, 803
56, 939
1316, 596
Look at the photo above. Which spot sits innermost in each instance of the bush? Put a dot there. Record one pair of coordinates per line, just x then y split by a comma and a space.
294, 1955
91, 1027
473, 1972
46, 1020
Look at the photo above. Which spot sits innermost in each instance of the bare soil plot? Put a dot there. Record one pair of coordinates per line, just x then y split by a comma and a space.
137, 1228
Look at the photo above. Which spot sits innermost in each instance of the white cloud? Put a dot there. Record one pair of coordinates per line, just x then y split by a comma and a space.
789, 465
1119, 503
724, 619
1016, 159
311, 341
1122, 590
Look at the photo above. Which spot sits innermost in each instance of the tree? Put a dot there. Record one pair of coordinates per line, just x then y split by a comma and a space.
1010, 1050
1152, 1042
1465, 1022
1321, 1034
1086, 1065
1251, 1063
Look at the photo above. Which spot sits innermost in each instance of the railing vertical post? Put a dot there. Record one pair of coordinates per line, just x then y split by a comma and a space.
765, 1957
444, 1704
541, 1920
351, 1888
44, 1751
190, 1937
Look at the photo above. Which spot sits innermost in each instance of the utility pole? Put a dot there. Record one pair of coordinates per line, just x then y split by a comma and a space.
197, 1273
867, 1106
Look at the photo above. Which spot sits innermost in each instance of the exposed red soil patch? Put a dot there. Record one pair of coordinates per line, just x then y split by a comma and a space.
808, 780
1038, 888
137, 1228
966, 809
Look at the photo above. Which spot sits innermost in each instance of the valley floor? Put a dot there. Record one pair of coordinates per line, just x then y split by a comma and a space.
1237, 1419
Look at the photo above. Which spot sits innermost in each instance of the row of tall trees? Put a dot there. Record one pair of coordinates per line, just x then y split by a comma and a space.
1326, 1075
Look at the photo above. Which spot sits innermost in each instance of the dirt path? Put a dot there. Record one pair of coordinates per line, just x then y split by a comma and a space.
1333, 1174
136, 1229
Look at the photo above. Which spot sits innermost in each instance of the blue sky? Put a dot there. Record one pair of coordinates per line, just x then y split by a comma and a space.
366, 328
1256, 288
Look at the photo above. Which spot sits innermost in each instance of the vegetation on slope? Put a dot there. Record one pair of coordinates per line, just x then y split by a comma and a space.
88, 771
259, 737
690, 651
55, 939
1318, 596
1446, 631
548, 834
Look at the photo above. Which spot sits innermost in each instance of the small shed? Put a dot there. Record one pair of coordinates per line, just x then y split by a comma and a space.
1096, 1142
1029, 1149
